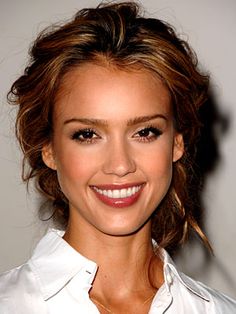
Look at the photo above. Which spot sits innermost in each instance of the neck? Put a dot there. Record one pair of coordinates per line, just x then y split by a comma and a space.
125, 263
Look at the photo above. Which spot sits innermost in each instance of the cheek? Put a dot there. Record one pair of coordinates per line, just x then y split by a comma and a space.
157, 167
157, 162
74, 167
160, 174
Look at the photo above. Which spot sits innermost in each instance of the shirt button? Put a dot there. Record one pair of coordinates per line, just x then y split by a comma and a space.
169, 279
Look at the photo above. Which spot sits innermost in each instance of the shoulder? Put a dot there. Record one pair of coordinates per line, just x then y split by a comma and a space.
11, 288
18, 290
188, 292
218, 302
223, 303
16, 278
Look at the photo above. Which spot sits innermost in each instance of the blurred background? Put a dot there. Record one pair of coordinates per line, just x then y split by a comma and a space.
210, 28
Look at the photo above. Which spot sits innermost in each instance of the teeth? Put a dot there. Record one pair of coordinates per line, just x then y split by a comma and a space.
122, 193
109, 192
129, 191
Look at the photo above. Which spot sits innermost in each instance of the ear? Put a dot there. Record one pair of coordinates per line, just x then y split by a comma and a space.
48, 156
178, 148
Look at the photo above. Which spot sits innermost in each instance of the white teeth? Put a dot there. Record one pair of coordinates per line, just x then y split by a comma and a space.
115, 193
109, 193
129, 191
122, 193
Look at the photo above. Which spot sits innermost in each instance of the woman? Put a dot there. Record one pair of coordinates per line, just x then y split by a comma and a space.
107, 123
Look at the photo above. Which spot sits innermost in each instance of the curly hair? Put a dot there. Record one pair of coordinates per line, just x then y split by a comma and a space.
121, 34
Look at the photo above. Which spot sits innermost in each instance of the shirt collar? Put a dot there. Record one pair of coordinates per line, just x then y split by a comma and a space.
171, 271
55, 263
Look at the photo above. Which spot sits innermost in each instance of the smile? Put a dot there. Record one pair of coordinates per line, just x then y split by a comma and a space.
118, 197
119, 193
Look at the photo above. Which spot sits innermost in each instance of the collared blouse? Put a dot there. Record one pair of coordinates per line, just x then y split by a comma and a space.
57, 280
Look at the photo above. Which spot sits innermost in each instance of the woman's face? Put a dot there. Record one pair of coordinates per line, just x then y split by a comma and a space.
113, 147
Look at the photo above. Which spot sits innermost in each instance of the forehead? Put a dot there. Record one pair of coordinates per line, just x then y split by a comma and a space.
98, 90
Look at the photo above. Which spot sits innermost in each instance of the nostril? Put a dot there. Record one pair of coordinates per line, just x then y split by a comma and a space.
119, 166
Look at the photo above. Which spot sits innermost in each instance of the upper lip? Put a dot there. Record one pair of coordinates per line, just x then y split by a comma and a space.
117, 186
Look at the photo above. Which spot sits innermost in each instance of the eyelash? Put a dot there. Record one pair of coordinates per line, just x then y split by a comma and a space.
76, 136
156, 132
143, 135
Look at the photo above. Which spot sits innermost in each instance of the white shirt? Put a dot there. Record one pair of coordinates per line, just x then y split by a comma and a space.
57, 280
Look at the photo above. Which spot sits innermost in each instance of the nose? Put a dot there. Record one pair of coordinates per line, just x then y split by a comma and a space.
118, 159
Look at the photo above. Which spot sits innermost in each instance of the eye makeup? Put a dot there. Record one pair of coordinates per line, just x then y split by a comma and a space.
85, 136
148, 133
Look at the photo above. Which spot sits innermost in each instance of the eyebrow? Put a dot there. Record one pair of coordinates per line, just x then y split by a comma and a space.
87, 121
143, 119
101, 122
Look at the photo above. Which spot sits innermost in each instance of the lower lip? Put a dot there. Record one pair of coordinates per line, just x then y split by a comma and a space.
119, 202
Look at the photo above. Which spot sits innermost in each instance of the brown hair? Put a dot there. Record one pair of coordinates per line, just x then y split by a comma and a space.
120, 34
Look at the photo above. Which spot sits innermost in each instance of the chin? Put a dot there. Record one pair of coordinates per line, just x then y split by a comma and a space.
124, 229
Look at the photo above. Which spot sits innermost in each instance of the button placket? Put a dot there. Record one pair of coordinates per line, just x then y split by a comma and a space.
162, 301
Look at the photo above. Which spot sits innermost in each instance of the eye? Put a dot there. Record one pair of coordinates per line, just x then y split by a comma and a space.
148, 134
86, 136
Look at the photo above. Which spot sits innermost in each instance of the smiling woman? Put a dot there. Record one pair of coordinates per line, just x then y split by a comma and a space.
117, 191
108, 121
